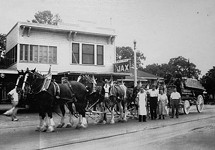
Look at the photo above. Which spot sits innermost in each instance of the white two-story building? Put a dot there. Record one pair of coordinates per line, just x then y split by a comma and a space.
68, 48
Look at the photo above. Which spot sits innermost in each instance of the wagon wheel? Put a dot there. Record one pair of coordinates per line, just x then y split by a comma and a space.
199, 103
186, 107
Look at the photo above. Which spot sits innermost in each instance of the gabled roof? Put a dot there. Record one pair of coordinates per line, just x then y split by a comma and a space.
143, 75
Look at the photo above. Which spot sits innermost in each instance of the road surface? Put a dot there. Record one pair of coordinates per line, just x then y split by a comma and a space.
193, 131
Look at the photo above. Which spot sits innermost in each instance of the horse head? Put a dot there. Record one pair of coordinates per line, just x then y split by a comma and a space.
89, 82
20, 79
106, 88
33, 81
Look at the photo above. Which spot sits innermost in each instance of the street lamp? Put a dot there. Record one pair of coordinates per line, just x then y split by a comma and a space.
135, 65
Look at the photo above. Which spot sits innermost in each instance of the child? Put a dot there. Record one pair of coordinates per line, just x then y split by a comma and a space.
142, 102
162, 102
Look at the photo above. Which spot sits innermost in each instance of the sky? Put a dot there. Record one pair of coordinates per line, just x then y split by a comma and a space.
163, 29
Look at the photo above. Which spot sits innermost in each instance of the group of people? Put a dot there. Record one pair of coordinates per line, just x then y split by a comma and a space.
157, 99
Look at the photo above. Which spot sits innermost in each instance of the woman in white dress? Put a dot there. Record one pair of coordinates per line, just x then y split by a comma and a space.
162, 103
142, 102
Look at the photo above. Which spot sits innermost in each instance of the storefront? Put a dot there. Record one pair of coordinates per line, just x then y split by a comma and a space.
70, 49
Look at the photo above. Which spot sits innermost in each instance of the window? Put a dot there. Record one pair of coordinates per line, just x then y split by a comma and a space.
38, 54
75, 53
34, 53
43, 54
52, 55
11, 56
100, 55
87, 54
24, 52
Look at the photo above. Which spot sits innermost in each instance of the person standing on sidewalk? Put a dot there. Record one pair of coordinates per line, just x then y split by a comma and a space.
162, 103
142, 102
153, 100
14, 96
175, 99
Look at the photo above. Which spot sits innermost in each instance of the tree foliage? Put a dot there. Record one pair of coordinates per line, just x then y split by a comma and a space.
208, 81
2, 50
184, 67
178, 65
159, 70
2, 41
46, 17
128, 53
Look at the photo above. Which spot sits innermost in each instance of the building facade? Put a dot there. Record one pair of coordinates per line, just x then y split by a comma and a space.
66, 47
70, 49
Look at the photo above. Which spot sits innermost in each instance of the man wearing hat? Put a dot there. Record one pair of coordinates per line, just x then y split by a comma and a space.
175, 99
153, 100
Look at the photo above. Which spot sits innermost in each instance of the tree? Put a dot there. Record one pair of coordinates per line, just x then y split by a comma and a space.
128, 53
208, 81
2, 50
2, 41
184, 67
46, 17
175, 66
159, 70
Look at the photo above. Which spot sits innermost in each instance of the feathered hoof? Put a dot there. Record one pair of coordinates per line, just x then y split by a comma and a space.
50, 129
41, 129
112, 122
37, 129
101, 122
122, 120
69, 125
81, 126
60, 125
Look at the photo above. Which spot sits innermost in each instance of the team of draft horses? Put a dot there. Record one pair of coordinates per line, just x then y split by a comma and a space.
84, 95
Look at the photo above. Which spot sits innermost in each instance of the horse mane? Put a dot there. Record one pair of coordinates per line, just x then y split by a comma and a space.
39, 75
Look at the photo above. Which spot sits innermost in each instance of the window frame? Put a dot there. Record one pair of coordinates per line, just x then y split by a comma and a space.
39, 53
88, 54
76, 53
102, 54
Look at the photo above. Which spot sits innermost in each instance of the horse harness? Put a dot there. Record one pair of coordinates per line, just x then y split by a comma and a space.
57, 92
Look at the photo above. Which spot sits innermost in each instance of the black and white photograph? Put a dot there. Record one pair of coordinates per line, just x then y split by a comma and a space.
107, 74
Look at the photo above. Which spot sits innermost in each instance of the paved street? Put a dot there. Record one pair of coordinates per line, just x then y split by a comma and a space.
193, 131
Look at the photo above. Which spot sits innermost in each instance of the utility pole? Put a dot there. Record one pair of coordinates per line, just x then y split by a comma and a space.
135, 65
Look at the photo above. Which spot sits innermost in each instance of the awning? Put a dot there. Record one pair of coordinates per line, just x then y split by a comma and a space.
94, 73
139, 79
8, 71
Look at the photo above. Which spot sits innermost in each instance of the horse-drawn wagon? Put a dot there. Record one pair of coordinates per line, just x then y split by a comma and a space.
191, 92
